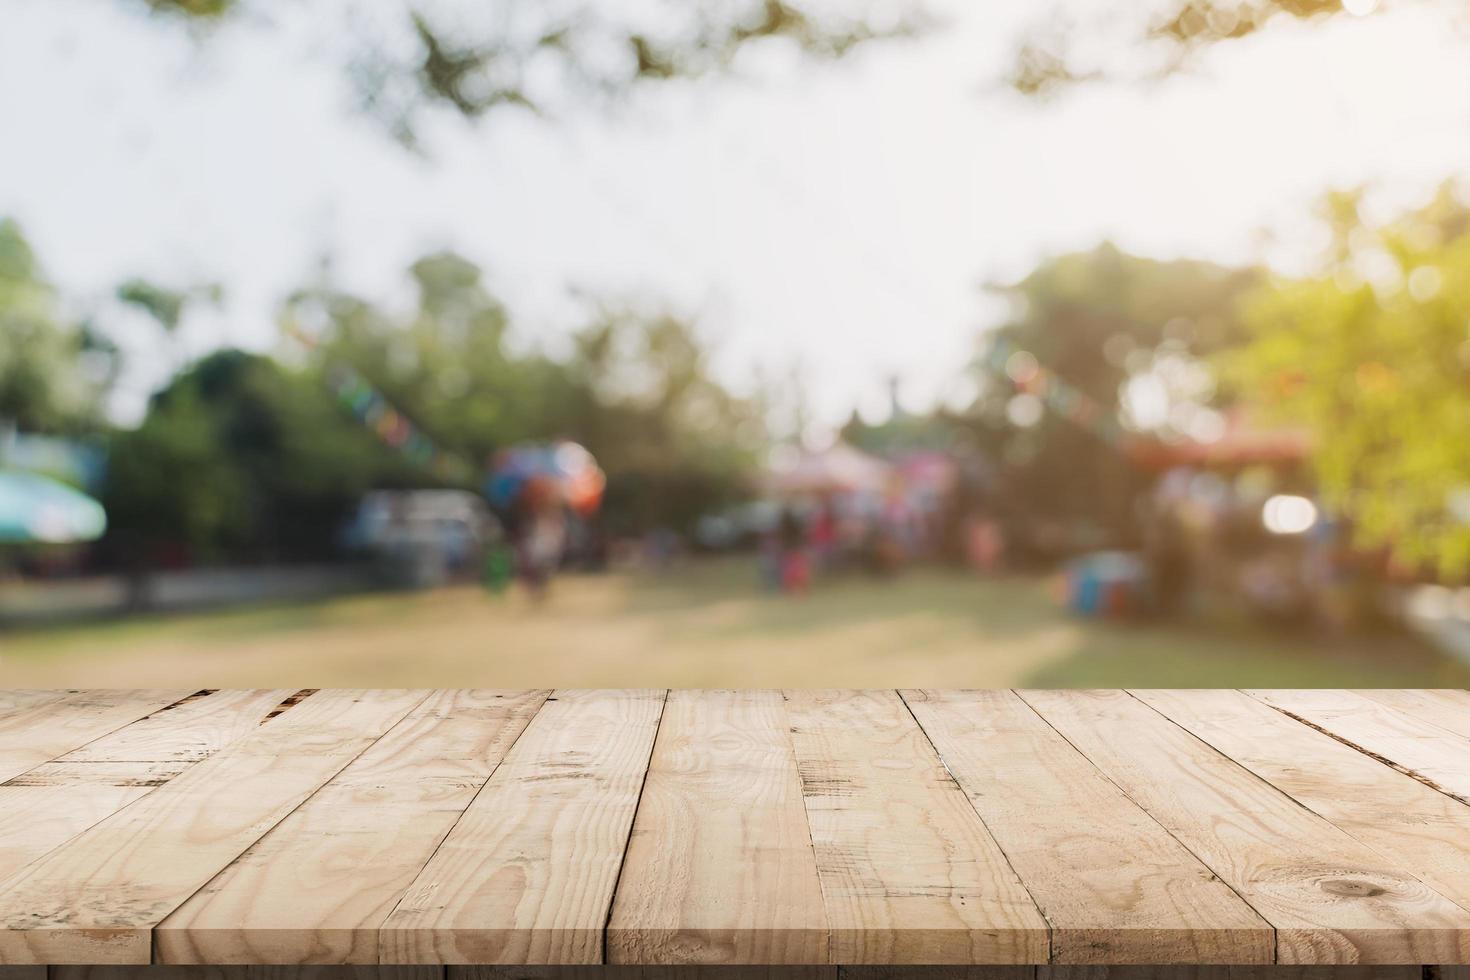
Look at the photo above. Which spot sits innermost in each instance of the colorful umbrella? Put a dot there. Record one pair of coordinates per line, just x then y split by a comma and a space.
565, 467
35, 509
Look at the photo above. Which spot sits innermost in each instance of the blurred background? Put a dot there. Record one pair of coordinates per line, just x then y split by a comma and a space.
734, 343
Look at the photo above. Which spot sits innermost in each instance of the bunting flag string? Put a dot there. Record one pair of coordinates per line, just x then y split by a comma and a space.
1057, 394
370, 407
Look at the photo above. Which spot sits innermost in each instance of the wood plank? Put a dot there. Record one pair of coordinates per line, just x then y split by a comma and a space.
40, 731
1423, 832
190, 730
317, 888
247, 973
341, 972
720, 868
96, 899
645, 973
893, 972
1447, 709
909, 873
1332, 899
23, 699
1274, 972
1428, 751
527, 874
1115, 886
51, 803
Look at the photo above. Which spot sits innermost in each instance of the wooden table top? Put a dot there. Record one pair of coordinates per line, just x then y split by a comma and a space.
734, 827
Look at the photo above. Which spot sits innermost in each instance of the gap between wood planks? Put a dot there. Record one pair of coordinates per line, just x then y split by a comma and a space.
305, 973
618, 880
1429, 973
1051, 929
290, 703
1275, 933
28, 779
810, 841
1396, 767
612, 898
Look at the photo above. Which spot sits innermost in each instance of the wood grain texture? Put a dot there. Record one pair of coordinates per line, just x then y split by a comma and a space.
97, 899
1274, 972
318, 886
724, 835
1427, 750
1447, 709
643, 973
17, 699
720, 867
1422, 831
909, 872
51, 803
898, 972
40, 730
247, 973
1331, 898
1115, 886
189, 730
527, 875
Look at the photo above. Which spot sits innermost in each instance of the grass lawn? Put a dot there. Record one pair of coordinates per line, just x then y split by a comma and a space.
705, 625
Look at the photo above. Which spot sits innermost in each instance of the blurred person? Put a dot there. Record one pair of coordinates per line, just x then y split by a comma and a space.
769, 560
984, 543
796, 572
822, 535
541, 536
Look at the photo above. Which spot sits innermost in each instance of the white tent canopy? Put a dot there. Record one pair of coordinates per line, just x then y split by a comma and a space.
841, 468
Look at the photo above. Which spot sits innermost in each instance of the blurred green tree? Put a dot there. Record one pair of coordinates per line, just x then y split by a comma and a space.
240, 458
1373, 354
168, 306
674, 442
43, 384
1097, 322
635, 389
446, 364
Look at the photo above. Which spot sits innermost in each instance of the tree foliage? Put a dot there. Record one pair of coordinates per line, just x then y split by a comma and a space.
1063, 50
1094, 321
1373, 354
43, 387
674, 442
407, 59
635, 389
166, 305
240, 457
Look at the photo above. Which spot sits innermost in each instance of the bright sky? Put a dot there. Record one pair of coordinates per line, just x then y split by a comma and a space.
843, 215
